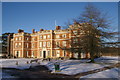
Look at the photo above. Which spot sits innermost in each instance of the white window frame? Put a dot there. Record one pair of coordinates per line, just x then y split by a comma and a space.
48, 44
48, 53
40, 53
57, 53
20, 38
64, 43
27, 45
19, 44
44, 44
32, 54
40, 44
48, 36
64, 35
40, 36
57, 36
44, 37
64, 53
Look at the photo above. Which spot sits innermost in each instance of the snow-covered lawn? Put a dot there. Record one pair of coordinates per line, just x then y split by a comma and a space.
72, 67
111, 73
69, 67
108, 59
11, 63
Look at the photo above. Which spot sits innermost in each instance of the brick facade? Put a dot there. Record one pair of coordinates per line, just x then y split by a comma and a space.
45, 43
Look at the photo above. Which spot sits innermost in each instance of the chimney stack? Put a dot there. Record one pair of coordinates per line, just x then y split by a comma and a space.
20, 30
33, 30
58, 27
41, 29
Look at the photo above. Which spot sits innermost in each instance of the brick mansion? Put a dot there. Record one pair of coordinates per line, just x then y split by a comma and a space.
46, 43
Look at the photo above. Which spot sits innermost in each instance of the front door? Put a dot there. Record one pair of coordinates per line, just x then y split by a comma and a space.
44, 54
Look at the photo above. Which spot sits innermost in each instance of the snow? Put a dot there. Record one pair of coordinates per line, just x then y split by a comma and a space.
11, 63
72, 67
69, 67
108, 59
111, 73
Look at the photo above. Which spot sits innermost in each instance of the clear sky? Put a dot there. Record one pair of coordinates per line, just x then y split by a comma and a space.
37, 15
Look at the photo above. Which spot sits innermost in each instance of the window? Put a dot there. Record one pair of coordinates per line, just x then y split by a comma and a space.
53, 53
40, 44
32, 55
15, 44
75, 40
64, 43
44, 44
33, 39
20, 38
26, 45
44, 37
19, 44
41, 37
33, 45
48, 44
57, 36
64, 53
75, 32
16, 39
64, 35
57, 44
48, 53
27, 54
58, 53
48, 36
27, 39
40, 53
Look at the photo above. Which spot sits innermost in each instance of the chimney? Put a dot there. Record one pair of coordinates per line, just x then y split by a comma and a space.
41, 29
20, 30
33, 30
58, 27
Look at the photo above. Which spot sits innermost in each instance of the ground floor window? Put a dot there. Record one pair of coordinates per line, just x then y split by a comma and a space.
17, 53
64, 53
48, 53
40, 53
58, 53
32, 55
53, 53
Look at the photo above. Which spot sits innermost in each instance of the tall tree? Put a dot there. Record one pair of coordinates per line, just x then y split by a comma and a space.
96, 32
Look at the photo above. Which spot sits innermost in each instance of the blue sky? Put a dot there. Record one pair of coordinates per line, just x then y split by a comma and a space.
37, 15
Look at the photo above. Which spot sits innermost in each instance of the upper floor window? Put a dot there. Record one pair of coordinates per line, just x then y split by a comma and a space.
48, 36
33, 39
64, 35
16, 38
33, 45
16, 44
57, 44
75, 40
27, 39
64, 43
19, 44
20, 38
48, 44
44, 44
41, 37
57, 36
44, 37
27, 45
75, 32
40, 44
